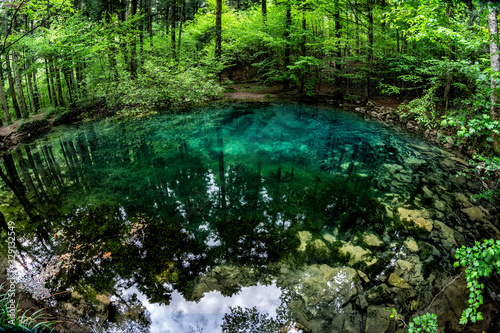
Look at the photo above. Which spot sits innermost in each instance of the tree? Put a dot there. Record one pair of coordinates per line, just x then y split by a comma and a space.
495, 69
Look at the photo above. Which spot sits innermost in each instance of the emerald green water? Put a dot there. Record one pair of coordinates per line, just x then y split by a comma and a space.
159, 224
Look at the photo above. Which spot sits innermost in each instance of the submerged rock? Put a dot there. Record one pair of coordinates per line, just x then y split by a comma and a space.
363, 276
324, 298
329, 238
372, 240
357, 254
463, 200
378, 320
447, 234
379, 294
411, 244
474, 213
304, 237
415, 217
396, 281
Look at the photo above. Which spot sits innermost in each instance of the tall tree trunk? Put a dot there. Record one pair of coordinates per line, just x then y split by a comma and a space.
181, 19
167, 21
369, 53
3, 100
19, 85
50, 85
337, 33
173, 4
67, 78
58, 83
133, 44
35, 87
30, 90
495, 67
150, 21
218, 30
12, 89
142, 29
264, 12
288, 24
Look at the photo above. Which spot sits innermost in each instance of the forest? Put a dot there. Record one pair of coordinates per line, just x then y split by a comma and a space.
143, 66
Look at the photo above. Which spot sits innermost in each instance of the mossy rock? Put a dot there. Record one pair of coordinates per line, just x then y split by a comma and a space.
33, 129
65, 118
32, 125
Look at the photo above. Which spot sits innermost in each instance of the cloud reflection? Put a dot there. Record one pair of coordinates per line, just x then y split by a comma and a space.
181, 315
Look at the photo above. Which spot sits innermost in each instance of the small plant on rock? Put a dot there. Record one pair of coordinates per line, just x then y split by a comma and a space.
479, 260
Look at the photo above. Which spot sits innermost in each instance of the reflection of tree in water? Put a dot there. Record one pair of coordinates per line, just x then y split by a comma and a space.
156, 215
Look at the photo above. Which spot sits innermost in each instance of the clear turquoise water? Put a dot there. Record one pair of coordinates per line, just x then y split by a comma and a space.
216, 201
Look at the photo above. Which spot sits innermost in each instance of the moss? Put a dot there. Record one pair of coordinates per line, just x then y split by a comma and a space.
52, 111
33, 126
67, 117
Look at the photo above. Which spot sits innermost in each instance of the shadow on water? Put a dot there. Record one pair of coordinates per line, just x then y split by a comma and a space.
220, 201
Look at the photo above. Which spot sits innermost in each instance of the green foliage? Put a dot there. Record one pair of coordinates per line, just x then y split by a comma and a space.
423, 110
424, 323
161, 86
480, 260
24, 323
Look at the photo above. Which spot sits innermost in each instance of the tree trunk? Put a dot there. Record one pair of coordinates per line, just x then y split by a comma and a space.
58, 83
12, 90
337, 33
369, 53
495, 68
50, 85
36, 91
142, 29
133, 48
167, 22
288, 24
264, 12
150, 21
3, 100
218, 30
173, 4
30, 90
183, 9
19, 85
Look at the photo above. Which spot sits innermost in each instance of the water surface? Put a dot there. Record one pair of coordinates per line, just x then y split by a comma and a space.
161, 223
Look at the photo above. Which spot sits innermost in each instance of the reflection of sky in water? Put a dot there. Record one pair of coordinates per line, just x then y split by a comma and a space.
182, 315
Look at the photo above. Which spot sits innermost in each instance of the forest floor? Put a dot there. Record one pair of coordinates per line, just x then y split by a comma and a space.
9, 137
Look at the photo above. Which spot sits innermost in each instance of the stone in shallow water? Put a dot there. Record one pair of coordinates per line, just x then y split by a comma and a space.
447, 234
441, 205
415, 217
304, 237
357, 254
464, 201
363, 276
322, 284
474, 213
396, 281
379, 294
410, 270
320, 247
329, 238
411, 244
372, 240
378, 320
